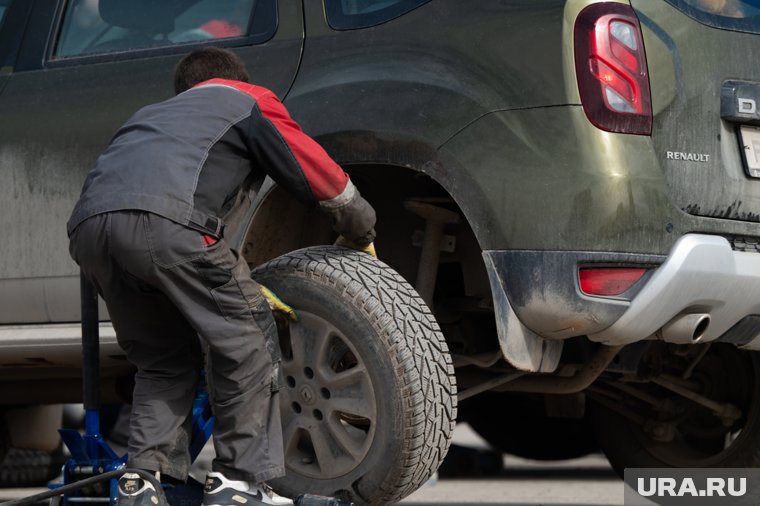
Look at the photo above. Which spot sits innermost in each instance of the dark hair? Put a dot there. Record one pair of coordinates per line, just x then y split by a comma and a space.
208, 63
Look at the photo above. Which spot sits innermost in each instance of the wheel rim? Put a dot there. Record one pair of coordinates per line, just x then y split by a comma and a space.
328, 404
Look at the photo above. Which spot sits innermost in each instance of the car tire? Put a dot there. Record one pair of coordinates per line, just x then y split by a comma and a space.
20, 467
369, 397
27, 468
728, 375
518, 425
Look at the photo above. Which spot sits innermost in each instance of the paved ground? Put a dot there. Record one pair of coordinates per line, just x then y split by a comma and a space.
582, 482
587, 481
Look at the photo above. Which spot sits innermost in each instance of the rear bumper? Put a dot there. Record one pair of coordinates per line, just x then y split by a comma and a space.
702, 275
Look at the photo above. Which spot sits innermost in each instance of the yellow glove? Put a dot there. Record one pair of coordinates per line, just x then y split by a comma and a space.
277, 305
369, 249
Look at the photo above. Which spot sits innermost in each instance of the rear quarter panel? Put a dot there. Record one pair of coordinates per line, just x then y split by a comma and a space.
397, 91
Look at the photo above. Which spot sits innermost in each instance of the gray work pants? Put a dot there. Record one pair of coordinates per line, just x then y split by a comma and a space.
164, 288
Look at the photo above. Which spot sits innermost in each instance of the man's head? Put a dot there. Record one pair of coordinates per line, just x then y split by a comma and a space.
208, 63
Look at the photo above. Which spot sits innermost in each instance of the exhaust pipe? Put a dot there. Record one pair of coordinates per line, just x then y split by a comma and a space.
685, 329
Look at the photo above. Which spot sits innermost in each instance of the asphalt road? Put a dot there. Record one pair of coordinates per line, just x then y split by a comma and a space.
508, 481
495, 480
587, 481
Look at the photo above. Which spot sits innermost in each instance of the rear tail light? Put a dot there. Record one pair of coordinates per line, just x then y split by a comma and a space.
612, 70
608, 282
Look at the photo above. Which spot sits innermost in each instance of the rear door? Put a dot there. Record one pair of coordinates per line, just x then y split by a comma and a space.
10, 38
704, 64
83, 68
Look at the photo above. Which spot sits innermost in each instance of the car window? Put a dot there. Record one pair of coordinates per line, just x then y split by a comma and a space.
348, 14
103, 26
738, 15
3, 5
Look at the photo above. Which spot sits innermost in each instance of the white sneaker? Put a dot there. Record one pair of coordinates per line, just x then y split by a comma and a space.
219, 491
135, 491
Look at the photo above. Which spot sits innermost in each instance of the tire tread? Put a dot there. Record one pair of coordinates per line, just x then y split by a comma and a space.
420, 352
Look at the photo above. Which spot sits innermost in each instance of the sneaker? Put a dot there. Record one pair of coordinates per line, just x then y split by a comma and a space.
219, 491
135, 491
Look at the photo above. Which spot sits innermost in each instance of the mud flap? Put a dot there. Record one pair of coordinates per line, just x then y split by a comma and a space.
521, 347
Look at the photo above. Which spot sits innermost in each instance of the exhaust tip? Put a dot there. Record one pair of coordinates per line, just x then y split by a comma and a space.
701, 327
685, 329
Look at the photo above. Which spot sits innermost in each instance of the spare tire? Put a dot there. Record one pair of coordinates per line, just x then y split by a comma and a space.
369, 397
22, 467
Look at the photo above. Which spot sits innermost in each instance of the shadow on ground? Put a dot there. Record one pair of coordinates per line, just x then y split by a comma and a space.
464, 462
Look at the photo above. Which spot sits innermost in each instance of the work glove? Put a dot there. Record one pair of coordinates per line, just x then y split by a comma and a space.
355, 221
369, 248
277, 305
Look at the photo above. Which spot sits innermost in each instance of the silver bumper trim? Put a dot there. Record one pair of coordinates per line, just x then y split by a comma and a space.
702, 274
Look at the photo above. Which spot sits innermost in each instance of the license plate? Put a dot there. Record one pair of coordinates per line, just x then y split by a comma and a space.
750, 137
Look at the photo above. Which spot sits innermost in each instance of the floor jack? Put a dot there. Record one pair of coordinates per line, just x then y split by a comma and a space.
91, 474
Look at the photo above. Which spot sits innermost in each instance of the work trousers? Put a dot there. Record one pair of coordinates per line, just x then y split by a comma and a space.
165, 288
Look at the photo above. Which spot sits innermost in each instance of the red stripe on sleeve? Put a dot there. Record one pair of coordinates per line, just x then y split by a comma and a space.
325, 177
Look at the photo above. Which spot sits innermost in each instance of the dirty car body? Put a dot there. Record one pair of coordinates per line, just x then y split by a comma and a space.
571, 185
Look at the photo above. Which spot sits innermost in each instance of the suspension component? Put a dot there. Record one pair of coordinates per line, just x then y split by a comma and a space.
436, 218
727, 412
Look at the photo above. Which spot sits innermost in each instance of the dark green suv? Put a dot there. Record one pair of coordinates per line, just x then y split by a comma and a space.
572, 186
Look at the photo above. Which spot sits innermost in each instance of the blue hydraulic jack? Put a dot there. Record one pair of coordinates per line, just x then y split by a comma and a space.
90, 453
91, 474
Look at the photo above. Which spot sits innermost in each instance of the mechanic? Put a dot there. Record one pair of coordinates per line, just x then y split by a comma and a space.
147, 231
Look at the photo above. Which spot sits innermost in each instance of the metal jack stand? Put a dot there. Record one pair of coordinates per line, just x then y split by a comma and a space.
90, 453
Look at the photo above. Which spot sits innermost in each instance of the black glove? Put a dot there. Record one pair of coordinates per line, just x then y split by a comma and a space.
355, 221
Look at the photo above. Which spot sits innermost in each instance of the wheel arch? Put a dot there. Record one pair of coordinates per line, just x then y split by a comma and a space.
278, 223
365, 155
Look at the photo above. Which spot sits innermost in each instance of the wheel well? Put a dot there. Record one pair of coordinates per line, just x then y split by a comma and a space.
463, 303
